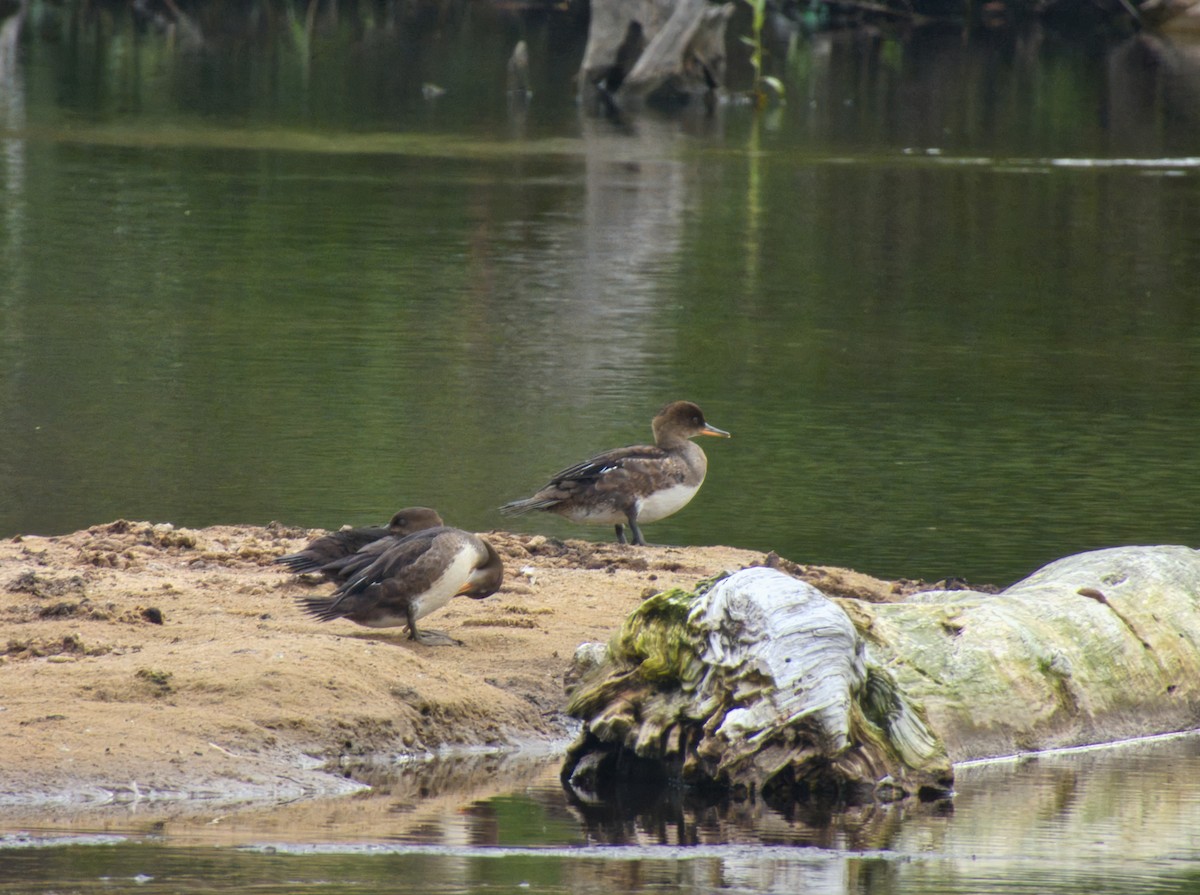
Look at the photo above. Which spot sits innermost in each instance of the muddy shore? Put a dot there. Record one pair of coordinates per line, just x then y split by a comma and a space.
170, 668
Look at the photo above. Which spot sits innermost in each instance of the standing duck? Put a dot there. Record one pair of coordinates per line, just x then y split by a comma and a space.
340, 544
411, 578
631, 485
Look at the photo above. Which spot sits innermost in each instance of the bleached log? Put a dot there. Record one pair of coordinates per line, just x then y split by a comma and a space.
756, 681
759, 681
1092, 648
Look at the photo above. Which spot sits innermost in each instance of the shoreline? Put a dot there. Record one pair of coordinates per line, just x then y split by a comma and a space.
170, 668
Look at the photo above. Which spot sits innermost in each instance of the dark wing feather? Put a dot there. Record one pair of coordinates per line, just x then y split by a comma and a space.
325, 609
589, 471
349, 566
299, 562
330, 548
397, 557
610, 469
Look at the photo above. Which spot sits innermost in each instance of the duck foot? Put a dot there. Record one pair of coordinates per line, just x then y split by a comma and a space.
433, 638
638, 540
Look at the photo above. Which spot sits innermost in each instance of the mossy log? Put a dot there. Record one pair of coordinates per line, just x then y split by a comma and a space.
759, 682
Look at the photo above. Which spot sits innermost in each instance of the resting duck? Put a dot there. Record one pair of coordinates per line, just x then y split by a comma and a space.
631, 485
411, 578
330, 548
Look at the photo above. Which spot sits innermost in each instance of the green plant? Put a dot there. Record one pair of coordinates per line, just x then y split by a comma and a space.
754, 42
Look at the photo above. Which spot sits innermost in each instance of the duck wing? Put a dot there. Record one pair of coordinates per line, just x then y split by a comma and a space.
409, 559
612, 465
331, 548
347, 567
623, 471
403, 565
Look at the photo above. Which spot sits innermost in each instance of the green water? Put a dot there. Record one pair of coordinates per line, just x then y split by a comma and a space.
945, 299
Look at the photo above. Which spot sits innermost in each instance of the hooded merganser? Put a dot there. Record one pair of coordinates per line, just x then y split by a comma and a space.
411, 578
340, 544
643, 483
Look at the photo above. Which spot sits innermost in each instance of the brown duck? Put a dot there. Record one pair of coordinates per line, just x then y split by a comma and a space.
411, 578
328, 549
631, 485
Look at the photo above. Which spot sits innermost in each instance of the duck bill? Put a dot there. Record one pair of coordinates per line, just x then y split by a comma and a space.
714, 431
471, 590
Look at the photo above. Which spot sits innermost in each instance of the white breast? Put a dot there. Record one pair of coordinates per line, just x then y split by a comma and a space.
663, 503
444, 589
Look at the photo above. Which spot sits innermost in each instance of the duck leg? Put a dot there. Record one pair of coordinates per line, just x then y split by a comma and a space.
637, 532
427, 638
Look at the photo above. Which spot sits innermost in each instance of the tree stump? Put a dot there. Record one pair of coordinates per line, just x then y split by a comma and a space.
665, 52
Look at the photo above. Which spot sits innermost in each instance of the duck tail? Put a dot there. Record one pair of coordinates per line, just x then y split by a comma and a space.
324, 609
528, 505
299, 562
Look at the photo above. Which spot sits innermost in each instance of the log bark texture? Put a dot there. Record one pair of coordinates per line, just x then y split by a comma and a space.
757, 681
1092, 648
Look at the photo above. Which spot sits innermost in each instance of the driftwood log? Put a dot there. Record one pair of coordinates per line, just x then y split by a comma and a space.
757, 682
659, 51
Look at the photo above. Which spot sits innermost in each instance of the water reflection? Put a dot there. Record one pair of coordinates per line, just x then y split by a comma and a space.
1114, 820
1121, 818
665, 815
1014, 91
1151, 79
12, 155
586, 290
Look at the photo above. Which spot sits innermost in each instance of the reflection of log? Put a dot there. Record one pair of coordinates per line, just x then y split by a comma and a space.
518, 69
664, 51
759, 681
